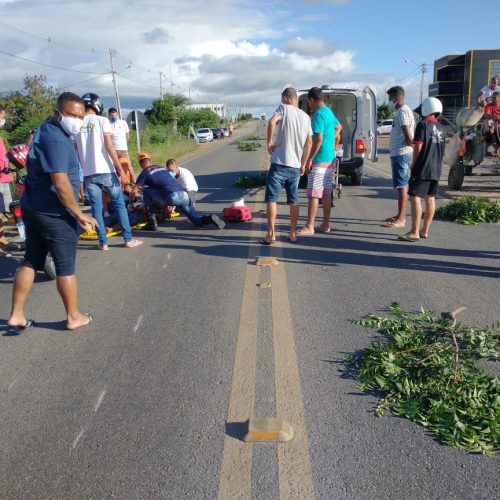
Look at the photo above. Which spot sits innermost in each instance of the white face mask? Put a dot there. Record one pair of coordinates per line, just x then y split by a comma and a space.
2, 122
391, 104
70, 125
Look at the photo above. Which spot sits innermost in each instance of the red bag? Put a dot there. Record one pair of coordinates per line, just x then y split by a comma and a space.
237, 214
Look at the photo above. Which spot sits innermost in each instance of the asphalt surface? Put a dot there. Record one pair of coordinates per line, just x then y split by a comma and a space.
135, 405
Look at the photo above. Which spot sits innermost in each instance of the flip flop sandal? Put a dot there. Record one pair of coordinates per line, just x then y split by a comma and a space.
29, 324
133, 243
407, 238
319, 229
263, 241
89, 316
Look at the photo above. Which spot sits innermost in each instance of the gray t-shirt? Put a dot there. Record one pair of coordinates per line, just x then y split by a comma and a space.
403, 116
292, 130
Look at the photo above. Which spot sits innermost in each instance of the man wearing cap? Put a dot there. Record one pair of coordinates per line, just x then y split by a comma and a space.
162, 189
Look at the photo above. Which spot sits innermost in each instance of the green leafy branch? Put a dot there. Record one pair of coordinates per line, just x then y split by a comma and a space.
427, 373
470, 210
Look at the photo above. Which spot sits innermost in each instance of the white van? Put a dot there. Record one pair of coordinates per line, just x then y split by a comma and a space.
357, 112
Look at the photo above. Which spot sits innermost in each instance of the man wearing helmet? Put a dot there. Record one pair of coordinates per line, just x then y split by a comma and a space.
99, 162
428, 151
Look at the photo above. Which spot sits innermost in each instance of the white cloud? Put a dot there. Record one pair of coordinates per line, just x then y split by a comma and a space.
225, 51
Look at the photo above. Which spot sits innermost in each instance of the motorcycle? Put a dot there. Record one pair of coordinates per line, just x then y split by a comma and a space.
17, 157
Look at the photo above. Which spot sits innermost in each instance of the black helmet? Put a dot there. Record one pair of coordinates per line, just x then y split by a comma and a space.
93, 101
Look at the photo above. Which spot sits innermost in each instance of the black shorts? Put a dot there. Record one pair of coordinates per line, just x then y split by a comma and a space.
45, 233
422, 187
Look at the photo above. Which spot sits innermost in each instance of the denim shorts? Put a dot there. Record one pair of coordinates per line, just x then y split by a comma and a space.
57, 234
401, 170
280, 176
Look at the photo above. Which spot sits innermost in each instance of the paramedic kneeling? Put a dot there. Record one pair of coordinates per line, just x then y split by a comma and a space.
162, 189
51, 213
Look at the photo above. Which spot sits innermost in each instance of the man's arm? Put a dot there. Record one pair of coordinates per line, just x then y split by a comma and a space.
338, 129
133, 193
317, 140
108, 143
408, 133
64, 191
305, 155
271, 126
417, 147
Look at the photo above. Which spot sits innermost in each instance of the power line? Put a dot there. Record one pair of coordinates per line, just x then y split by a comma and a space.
49, 65
137, 83
47, 39
84, 81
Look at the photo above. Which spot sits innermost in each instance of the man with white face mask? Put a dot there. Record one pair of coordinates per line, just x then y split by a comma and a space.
5, 179
401, 152
51, 213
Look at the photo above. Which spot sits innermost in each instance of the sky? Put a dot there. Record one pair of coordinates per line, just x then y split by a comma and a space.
240, 53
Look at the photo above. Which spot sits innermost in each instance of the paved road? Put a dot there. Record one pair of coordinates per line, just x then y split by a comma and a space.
143, 403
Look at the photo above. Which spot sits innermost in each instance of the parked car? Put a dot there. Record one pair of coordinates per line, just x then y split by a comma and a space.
385, 126
216, 133
225, 131
357, 112
205, 135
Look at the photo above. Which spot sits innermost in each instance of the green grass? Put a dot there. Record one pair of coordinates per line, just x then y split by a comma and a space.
251, 181
173, 147
247, 146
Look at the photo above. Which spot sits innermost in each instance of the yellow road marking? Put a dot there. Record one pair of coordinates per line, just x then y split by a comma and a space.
294, 465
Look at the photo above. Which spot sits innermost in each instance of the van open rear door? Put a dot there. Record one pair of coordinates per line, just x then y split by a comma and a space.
369, 123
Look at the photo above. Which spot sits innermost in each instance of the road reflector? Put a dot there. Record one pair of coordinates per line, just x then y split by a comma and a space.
267, 261
264, 285
267, 430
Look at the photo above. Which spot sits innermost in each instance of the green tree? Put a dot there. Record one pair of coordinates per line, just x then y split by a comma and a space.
29, 107
384, 112
198, 118
165, 111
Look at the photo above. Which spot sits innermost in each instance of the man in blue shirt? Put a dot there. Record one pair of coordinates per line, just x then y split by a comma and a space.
162, 189
51, 213
321, 162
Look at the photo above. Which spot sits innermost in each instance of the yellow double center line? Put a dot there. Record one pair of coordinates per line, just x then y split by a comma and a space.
294, 467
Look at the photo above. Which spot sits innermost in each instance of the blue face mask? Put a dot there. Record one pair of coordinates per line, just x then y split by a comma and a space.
113, 119
173, 174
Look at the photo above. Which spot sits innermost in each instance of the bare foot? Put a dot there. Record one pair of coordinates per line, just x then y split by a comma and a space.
292, 237
391, 219
305, 231
396, 223
104, 248
81, 320
19, 322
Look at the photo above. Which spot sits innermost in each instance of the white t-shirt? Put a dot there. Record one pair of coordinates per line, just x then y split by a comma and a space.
487, 92
292, 130
92, 151
186, 180
120, 130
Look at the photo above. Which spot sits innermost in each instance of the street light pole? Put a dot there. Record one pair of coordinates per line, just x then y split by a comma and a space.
423, 67
114, 53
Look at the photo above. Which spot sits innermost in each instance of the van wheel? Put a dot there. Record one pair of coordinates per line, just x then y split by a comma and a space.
356, 179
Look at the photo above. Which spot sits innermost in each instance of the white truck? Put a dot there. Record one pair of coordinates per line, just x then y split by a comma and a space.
357, 112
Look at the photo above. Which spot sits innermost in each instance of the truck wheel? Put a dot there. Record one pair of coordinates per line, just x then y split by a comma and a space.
49, 267
456, 176
356, 179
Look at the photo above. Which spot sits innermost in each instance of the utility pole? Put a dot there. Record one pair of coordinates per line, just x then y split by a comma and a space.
423, 67
114, 53
161, 87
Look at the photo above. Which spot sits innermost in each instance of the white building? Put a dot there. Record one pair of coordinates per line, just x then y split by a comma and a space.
219, 109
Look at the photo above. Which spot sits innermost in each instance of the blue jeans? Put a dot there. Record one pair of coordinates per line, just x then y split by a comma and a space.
180, 199
93, 185
280, 176
401, 170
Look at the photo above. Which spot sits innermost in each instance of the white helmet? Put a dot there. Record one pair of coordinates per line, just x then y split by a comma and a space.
431, 105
